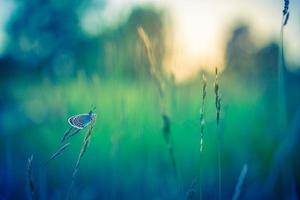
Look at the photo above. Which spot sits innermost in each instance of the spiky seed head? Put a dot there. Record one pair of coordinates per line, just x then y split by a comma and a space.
286, 7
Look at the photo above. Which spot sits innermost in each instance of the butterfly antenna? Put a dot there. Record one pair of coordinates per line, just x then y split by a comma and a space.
93, 108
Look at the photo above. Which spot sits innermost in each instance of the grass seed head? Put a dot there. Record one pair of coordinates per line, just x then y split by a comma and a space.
286, 7
202, 120
285, 12
217, 98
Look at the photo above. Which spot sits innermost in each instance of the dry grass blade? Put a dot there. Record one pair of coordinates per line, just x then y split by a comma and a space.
240, 182
143, 35
161, 88
159, 81
58, 152
153, 64
30, 178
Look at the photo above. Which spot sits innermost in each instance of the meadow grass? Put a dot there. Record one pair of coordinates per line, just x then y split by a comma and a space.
282, 117
122, 101
158, 77
138, 135
282, 112
218, 112
240, 182
32, 187
202, 126
85, 144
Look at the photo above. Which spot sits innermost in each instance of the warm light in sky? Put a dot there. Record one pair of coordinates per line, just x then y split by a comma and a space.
195, 31
199, 27
197, 41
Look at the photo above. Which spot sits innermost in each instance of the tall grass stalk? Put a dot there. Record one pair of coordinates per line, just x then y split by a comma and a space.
280, 164
282, 111
282, 114
158, 79
202, 121
240, 182
84, 147
86, 142
202, 125
218, 111
32, 188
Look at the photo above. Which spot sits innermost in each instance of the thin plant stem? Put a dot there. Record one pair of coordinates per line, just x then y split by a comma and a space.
240, 182
31, 184
58, 152
282, 111
281, 83
218, 110
160, 84
84, 147
202, 125
219, 171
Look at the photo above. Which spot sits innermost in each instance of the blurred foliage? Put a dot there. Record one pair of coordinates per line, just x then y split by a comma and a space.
46, 39
44, 35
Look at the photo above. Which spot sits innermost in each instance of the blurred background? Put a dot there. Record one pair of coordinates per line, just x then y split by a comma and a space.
59, 57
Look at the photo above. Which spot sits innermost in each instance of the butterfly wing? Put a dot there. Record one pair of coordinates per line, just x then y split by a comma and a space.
79, 121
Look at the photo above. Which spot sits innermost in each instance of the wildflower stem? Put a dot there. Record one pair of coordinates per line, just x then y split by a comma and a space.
218, 110
158, 79
202, 125
281, 82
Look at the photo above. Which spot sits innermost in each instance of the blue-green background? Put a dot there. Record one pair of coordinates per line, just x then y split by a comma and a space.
68, 72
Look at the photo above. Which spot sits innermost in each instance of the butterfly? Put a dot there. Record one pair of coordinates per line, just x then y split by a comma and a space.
82, 120
77, 122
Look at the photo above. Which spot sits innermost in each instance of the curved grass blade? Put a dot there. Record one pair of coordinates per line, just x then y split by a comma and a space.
66, 134
69, 133
240, 182
58, 152
84, 147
